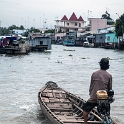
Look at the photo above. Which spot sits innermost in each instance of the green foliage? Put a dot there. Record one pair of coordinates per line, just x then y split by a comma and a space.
21, 27
32, 29
26, 33
109, 19
3, 31
15, 27
119, 26
50, 31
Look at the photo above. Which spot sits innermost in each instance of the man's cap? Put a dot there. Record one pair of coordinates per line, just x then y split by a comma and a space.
104, 61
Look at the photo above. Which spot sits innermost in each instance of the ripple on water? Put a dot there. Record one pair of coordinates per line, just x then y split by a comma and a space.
23, 76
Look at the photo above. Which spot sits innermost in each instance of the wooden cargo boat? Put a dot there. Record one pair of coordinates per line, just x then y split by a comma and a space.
18, 47
62, 107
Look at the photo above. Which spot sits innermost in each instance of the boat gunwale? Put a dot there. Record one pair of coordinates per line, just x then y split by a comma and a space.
58, 121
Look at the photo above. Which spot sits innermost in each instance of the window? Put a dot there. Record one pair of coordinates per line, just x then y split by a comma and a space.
108, 38
41, 42
67, 23
75, 23
79, 24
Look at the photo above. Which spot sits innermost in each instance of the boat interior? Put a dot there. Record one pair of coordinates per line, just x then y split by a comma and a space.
65, 106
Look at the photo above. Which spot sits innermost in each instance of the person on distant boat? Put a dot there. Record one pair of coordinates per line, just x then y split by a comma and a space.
100, 80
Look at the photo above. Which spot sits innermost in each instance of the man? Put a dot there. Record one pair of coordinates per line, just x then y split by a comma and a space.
100, 80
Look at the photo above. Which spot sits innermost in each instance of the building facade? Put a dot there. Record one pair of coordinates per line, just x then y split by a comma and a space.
97, 23
71, 24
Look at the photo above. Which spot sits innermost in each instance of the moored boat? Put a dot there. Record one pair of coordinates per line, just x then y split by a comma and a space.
62, 107
18, 47
69, 42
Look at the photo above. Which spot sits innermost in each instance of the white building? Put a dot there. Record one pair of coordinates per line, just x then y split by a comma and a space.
71, 24
18, 31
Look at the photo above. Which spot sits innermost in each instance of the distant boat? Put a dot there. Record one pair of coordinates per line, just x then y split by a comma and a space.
14, 45
86, 44
69, 41
18, 47
79, 42
39, 42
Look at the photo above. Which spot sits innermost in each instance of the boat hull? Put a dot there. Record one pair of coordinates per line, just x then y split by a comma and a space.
62, 107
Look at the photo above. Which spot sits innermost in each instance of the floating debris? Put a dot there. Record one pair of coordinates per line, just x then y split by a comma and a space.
68, 50
83, 58
58, 61
70, 55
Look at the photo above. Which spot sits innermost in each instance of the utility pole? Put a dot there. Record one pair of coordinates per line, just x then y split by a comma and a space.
0, 27
43, 20
28, 23
34, 22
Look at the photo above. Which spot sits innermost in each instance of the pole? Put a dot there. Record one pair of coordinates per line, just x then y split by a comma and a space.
34, 23
28, 23
43, 20
0, 27
40, 21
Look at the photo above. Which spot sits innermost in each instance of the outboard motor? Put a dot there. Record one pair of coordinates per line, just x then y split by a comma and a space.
110, 96
104, 99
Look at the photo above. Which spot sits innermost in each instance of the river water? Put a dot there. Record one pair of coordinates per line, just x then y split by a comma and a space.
22, 76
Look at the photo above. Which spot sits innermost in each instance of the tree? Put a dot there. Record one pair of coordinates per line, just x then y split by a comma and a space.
50, 31
21, 27
12, 27
4, 31
119, 26
34, 30
109, 19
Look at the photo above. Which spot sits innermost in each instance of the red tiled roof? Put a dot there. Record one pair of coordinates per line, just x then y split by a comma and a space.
64, 18
73, 17
80, 19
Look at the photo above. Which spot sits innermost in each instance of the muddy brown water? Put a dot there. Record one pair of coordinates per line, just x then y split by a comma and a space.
21, 77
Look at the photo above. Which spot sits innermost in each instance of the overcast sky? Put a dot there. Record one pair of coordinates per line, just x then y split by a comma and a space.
32, 13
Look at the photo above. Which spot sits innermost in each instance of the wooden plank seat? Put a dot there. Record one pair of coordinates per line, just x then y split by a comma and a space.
54, 94
62, 100
60, 110
60, 107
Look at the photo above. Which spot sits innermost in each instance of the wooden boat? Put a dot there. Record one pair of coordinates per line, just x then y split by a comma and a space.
18, 47
62, 107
